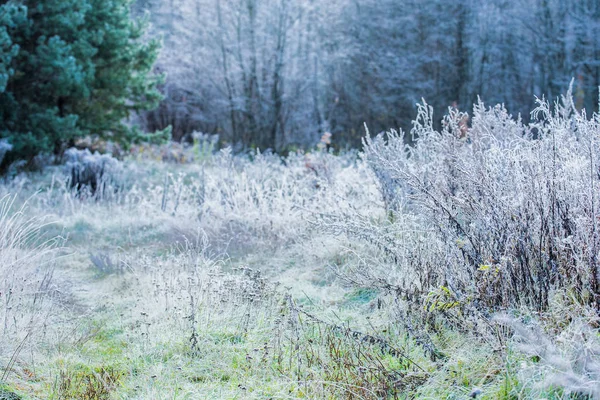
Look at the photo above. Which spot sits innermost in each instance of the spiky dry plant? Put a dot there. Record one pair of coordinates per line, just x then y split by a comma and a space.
497, 216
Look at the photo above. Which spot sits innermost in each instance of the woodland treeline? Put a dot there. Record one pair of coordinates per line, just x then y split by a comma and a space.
277, 74
280, 73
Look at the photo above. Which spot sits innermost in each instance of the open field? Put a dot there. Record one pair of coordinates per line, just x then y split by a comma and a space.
205, 275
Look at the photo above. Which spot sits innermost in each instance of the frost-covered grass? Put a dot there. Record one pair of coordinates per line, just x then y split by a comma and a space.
26, 287
463, 266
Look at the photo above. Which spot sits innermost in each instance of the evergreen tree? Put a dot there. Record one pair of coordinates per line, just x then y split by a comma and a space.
71, 68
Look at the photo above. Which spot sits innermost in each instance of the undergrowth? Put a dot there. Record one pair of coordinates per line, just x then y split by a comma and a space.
462, 266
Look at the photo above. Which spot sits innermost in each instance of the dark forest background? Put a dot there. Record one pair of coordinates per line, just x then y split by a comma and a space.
279, 73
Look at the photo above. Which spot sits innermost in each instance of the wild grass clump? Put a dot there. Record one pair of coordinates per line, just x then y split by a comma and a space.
332, 360
26, 286
83, 382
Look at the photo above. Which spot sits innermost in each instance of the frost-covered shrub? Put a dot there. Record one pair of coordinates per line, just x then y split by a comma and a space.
508, 212
95, 173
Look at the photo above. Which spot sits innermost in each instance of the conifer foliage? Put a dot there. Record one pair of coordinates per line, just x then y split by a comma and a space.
71, 68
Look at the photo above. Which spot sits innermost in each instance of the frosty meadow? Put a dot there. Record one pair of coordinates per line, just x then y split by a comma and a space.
206, 199
462, 266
